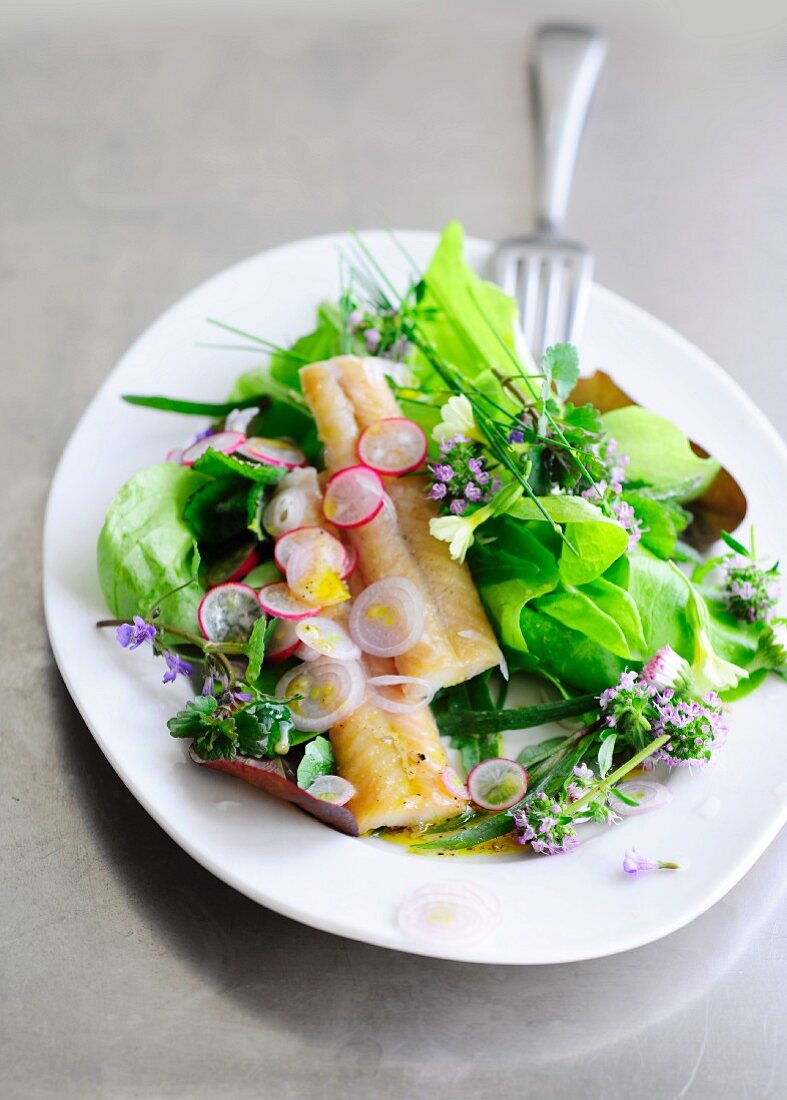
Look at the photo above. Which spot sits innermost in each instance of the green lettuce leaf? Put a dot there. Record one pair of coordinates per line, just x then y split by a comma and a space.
565, 653
659, 453
597, 540
145, 549
574, 609
450, 317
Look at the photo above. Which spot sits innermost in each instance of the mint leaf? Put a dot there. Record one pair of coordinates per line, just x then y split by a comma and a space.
560, 364
213, 732
317, 760
194, 718
217, 464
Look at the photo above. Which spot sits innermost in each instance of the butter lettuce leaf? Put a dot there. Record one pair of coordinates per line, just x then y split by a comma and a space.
449, 313
659, 453
145, 549
597, 541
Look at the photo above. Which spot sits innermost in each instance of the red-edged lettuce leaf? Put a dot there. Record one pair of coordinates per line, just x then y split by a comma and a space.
268, 776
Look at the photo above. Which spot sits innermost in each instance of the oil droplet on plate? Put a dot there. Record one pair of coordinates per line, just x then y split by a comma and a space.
709, 808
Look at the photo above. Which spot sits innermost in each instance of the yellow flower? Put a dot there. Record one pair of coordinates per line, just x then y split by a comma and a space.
457, 531
457, 419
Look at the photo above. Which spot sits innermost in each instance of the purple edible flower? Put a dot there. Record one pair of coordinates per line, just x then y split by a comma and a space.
627, 518
132, 636
472, 492
176, 666
695, 729
750, 592
438, 491
457, 507
443, 471
371, 339
516, 436
635, 864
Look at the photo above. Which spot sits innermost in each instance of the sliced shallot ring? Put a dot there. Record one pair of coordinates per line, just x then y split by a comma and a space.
322, 692
285, 512
387, 618
227, 613
649, 794
276, 599
225, 442
332, 788
284, 641
327, 638
275, 452
301, 536
314, 570
353, 497
393, 446
416, 693
453, 784
305, 652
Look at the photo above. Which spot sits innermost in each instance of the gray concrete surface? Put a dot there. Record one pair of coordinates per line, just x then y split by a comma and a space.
145, 146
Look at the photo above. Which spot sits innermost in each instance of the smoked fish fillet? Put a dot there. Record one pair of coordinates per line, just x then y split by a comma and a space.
382, 550
450, 583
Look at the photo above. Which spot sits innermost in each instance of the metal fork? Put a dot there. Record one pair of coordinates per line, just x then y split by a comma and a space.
548, 276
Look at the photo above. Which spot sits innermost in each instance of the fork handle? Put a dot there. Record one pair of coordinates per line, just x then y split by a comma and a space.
564, 65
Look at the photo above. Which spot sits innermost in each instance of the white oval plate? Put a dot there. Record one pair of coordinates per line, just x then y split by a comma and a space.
505, 910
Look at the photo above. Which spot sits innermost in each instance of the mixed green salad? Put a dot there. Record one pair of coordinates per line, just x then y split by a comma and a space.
586, 522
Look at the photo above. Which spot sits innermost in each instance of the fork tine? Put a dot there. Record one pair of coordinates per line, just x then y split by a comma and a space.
528, 293
582, 276
553, 286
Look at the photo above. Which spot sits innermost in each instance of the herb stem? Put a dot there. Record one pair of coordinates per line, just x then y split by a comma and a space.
605, 785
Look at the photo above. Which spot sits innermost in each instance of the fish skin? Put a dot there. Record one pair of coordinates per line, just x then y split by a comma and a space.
454, 594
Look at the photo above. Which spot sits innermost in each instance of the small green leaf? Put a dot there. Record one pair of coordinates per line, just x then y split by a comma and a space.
317, 760
193, 408
255, 648
193, 719
733, 544
560, 363
217, 464
605, 754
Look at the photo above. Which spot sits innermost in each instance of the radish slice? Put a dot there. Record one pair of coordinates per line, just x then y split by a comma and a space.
322, 693
317, 537
350, 562
228, 612
648, 794
404, 694
393, 446
353, 496
276, 452
175, 456
226, 442
283, 642
328, 638
332, 788
453, 784
497, 784
234, 566
276, 599
388, 617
